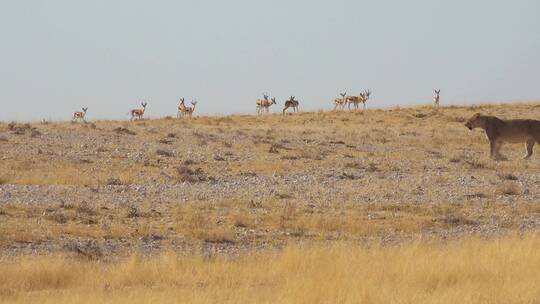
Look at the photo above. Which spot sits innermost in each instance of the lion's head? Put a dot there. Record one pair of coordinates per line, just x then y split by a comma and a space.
476, 121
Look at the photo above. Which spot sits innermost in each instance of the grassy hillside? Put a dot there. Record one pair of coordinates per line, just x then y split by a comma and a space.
215, 188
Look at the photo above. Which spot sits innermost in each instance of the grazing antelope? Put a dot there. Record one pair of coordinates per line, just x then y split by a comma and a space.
79, 115
291, 103
138, 112
340, 102
436, 98
264, 104
189, 110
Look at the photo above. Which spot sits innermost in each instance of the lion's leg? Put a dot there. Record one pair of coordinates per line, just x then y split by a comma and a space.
498, 154
530, 145
492, 149
495, 147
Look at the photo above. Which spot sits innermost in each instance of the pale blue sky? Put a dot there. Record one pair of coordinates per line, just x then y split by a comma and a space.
59, 55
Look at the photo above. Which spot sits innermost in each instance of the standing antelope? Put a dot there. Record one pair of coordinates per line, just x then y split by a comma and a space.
340, 102
138, 112
264, 104
436, 98
189, 110
181, 108
291, 103
79, 115
367, 93
354, 100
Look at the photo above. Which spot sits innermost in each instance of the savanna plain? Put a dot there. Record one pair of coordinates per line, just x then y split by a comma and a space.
399, 205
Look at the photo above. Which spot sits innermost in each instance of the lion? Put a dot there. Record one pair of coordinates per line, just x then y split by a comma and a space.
499, 131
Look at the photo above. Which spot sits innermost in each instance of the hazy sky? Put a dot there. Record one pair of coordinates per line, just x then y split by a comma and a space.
59, 55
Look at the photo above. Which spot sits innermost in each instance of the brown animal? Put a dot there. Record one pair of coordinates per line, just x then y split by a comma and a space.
182, 109
340, 101
499, 131
263, 105
356, 100
190, 110
80, 115
138, 112
291, 103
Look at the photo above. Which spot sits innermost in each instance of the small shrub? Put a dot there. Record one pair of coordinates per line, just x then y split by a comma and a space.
455, 159
189, 162
114, 182
164, 153
185, 174
85, 207
509, 188
218, 157
90, 250
125, 131
165, 141
419, 115
133, 212
508, 176
58, 218
273, 149
457, 220
475, 164
284, 196
372, 167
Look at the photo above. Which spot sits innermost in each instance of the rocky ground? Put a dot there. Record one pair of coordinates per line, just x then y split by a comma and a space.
239, 183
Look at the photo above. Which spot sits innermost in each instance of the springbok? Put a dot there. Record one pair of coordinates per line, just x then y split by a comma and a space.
189, 110
138, 112
181, 108
79, 115
340, 102
361, 98
264, 104
367, 93
436, 98
291, 103
354, 100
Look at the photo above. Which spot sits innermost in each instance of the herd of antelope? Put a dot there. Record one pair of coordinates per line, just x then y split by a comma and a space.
262, 105
362, 98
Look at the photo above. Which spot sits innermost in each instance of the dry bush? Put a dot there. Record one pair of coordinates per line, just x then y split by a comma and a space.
165, 153
113, 181
244, 220
86, 208
475, 164
509, 188
89, 249
125, 131
186, 174
213, 235
508, 176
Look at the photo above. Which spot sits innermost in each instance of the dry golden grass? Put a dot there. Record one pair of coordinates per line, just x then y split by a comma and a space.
468, 271
245, 223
